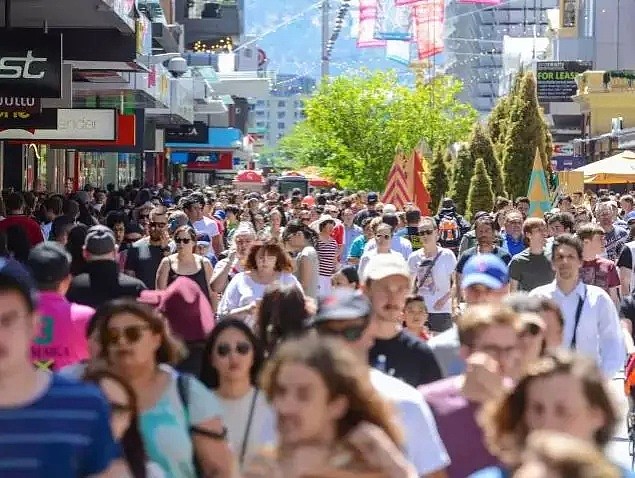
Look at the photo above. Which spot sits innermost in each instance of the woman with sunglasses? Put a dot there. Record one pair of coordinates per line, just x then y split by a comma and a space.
242, 239
124, 421
231, 363
267, 263
185, 263
136, 344
331, 420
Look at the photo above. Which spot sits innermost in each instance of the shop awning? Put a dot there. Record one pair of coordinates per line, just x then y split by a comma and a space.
618, 169
248, 176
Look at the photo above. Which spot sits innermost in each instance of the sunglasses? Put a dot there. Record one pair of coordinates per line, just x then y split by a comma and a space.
182, 240
384, 236
118, 408
350, 334
242, 348
132, 333
158, 225
426, 232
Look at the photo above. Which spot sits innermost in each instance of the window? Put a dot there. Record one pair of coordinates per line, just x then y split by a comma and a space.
260, 103
260, 114
296, 115
282, 104
260, 124
281, 125
280, 135
302, 114
282, 114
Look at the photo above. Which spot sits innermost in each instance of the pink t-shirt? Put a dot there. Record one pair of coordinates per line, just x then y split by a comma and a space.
62, 338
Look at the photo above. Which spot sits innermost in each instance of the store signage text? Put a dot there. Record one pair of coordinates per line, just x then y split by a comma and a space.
30, 63
73, 124
556, 80
19, 105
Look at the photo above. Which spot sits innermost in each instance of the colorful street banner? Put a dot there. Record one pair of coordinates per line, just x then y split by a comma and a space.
429, 16
397, 191
393, 22
399, 51
538, 194
367, 19
419, 192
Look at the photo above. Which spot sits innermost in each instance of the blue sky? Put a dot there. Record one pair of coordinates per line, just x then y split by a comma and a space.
295, 48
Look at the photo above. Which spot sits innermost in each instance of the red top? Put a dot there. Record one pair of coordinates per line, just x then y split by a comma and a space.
32, 228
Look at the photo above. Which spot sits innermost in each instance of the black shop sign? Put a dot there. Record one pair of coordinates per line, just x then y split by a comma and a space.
30, 63
555, 80
193, 133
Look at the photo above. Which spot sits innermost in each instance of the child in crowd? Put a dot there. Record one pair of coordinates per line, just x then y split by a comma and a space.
346, 277
415, 317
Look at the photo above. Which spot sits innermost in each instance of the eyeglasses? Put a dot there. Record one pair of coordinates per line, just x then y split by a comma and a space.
158, 225
426, 232
242, 348
351, 333
118, 408
182, 240
132, 333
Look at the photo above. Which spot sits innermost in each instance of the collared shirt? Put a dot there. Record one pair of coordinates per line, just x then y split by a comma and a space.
350, 234
513, 246
598, 334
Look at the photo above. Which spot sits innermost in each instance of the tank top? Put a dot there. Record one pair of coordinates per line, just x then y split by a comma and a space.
198, 277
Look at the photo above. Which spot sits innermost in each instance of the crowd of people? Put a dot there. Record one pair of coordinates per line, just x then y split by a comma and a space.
205, 332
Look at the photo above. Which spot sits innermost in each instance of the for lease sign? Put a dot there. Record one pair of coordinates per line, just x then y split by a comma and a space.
556, 79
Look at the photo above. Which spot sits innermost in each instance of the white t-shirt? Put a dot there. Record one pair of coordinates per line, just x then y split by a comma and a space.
207, 226
243, 290
423, 445
363, 261
437, 283
235, 415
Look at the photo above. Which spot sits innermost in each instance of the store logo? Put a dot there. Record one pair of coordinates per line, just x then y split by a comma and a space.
15, 67
82, 123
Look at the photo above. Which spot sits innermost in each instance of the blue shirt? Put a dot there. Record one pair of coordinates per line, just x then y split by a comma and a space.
514, 246
65, 432
350, 234
357, 247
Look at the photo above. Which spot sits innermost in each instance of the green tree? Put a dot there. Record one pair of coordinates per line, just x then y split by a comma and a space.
355, 124
437, 179
481, 146
480, 196
498, 120
463, 171
526, 133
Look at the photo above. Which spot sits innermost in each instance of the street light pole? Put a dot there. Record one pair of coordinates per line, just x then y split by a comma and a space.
325, 38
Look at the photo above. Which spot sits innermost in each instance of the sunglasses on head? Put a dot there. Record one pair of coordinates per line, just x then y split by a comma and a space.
132, 334
351, 333
182, 240
241, 348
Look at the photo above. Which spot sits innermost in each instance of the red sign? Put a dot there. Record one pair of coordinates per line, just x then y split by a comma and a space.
220, 160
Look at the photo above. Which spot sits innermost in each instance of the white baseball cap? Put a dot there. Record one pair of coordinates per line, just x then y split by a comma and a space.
381, 266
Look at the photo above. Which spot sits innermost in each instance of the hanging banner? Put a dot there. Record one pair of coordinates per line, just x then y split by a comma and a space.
429, 18
399, 51
393, 22
367, 19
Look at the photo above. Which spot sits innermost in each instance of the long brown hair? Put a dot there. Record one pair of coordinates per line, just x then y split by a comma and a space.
171, 351
270, 247
131, 442
344, 374
504, 422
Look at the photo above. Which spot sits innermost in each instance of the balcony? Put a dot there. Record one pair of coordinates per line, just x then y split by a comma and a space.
208, 21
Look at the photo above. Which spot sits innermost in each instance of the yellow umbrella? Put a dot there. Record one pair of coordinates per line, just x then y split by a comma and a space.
618, 169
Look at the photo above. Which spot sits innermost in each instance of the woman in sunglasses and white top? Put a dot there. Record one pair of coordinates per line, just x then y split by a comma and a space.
185, 263
174, 423
232, 360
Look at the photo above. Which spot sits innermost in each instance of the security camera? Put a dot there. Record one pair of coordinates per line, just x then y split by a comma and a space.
177, 66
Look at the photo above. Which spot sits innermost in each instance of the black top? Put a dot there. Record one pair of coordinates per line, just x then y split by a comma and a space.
198, 277
102, 282
408, 358
143, 259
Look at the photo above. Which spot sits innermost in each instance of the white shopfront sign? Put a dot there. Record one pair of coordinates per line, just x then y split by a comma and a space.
73, 125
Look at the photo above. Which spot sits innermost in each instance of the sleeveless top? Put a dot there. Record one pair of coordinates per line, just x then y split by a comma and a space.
198, 276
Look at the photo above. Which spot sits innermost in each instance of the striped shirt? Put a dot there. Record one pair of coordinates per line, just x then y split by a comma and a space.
327, 255
63, 433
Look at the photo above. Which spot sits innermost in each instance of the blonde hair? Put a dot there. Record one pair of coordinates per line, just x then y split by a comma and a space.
479, 317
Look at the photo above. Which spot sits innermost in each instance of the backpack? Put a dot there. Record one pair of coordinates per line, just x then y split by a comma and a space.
449, 231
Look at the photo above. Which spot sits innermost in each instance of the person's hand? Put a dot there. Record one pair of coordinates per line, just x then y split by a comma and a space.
261, 466
441, 302
483, 380
165, 239
231, 256
379, 451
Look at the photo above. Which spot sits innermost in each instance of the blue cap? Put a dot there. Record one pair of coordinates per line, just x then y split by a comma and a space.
630, 217
485, 269
220, 215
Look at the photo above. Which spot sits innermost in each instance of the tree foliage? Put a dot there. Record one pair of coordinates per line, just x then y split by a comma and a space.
526, 132
480, 196
481, 146
437, 181
355, 124
463, 171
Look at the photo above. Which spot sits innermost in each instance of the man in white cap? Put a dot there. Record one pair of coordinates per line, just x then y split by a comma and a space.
386, 282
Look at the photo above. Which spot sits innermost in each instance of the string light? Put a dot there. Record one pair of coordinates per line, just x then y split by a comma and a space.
224, 45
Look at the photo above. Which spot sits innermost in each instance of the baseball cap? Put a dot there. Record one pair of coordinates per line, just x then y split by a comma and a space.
342, 304
485, 269
630, 217
372, 198
99, 241
14, 276
381, 266
49, 263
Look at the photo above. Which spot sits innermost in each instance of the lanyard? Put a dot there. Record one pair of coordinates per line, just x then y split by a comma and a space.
578, 314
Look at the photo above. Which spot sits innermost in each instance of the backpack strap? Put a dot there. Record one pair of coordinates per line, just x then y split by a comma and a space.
183, 387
